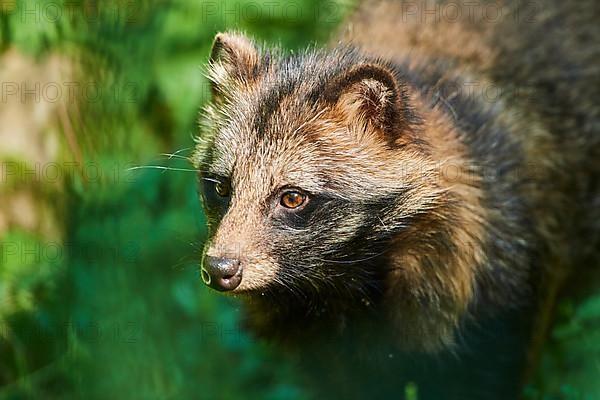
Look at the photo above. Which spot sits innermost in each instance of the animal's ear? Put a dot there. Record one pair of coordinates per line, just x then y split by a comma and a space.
233, 56
370, 95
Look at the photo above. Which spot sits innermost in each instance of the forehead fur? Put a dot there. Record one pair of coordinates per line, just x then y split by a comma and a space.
276, 129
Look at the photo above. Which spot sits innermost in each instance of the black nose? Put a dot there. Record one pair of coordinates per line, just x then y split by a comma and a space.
221, 273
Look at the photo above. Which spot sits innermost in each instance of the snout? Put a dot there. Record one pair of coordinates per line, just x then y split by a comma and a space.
222, 274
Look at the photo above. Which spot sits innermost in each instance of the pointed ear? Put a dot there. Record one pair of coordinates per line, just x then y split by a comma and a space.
233, 56
371, 96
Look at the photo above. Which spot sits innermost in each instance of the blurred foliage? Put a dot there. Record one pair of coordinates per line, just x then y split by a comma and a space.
121, 312
570, 365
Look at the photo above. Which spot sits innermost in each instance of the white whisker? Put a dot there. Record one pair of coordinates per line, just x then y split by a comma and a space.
161, 167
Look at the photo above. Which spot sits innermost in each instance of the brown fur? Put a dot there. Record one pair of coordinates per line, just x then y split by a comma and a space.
419, 34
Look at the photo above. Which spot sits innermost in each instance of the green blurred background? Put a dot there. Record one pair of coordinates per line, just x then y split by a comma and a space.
100, 295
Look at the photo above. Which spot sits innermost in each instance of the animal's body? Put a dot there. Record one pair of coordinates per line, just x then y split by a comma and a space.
431, 176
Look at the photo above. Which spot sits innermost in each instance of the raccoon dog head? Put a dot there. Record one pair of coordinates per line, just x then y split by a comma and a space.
310, 164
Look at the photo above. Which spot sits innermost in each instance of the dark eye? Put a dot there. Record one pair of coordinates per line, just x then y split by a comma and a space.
215, 194
222, 189
292, 199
